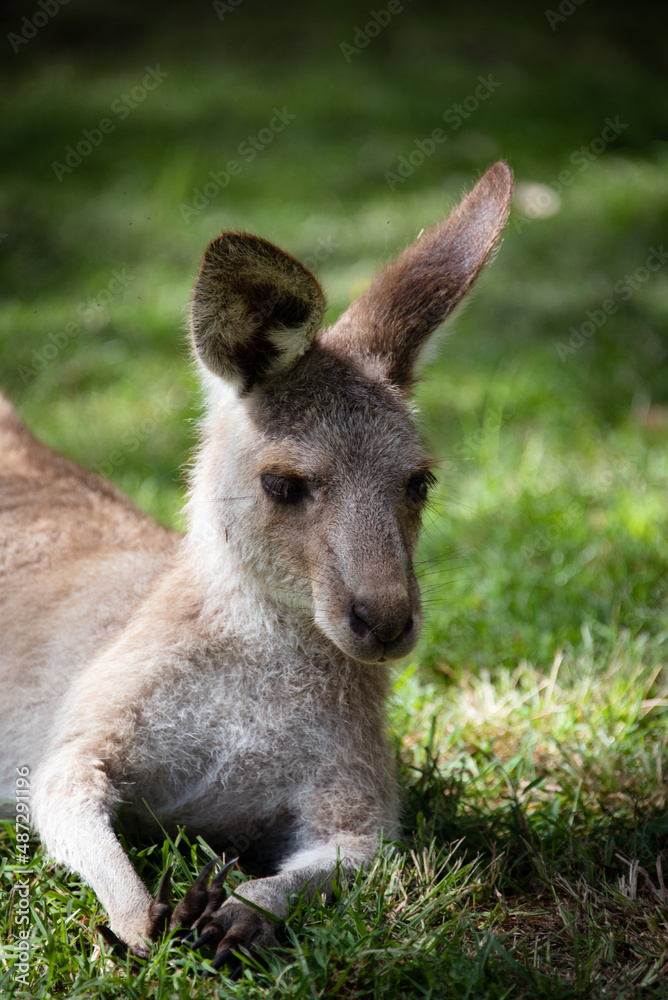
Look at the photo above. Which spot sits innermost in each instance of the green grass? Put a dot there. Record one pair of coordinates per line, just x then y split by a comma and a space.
531, 723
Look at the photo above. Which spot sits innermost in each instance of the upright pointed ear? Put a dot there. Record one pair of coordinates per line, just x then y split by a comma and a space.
387, 328
255, 310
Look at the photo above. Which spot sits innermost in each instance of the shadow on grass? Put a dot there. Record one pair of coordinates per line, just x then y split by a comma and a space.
535, 844
572, 901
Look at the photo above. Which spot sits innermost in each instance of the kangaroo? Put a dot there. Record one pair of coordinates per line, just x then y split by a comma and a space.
233, 680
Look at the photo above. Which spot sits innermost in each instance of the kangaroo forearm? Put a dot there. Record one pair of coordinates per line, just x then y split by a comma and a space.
274, 893
73, 806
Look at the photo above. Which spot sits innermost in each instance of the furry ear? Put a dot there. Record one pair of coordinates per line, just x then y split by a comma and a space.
387, 328
255, 310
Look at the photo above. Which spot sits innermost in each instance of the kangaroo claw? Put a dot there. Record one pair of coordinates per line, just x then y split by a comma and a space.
160, 909
118, 948
235, 928
210, 934
194, 902
201, 900
222, 958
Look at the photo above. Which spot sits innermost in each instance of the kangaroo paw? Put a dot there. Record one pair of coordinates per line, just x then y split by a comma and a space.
201, 900
192, 913
158, 916
236, 928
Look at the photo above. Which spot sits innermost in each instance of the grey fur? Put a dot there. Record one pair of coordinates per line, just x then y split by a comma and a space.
235, 678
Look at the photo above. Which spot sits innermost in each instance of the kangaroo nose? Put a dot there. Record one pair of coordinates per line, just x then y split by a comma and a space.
386, 627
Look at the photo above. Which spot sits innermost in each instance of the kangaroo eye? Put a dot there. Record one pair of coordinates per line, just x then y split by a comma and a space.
419, 485
283, 489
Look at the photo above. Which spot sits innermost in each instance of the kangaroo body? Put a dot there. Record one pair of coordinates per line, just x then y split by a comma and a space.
233, 680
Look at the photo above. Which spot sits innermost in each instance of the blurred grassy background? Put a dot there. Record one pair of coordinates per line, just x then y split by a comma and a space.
554, 464
554, 467
544, 556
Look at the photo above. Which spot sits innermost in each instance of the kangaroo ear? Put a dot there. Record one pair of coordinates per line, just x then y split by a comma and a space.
388, 326
255, 310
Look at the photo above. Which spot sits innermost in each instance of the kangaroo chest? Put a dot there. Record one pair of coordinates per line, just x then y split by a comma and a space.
222, 745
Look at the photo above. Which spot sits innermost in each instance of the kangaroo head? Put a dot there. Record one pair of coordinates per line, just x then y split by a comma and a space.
313, 476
